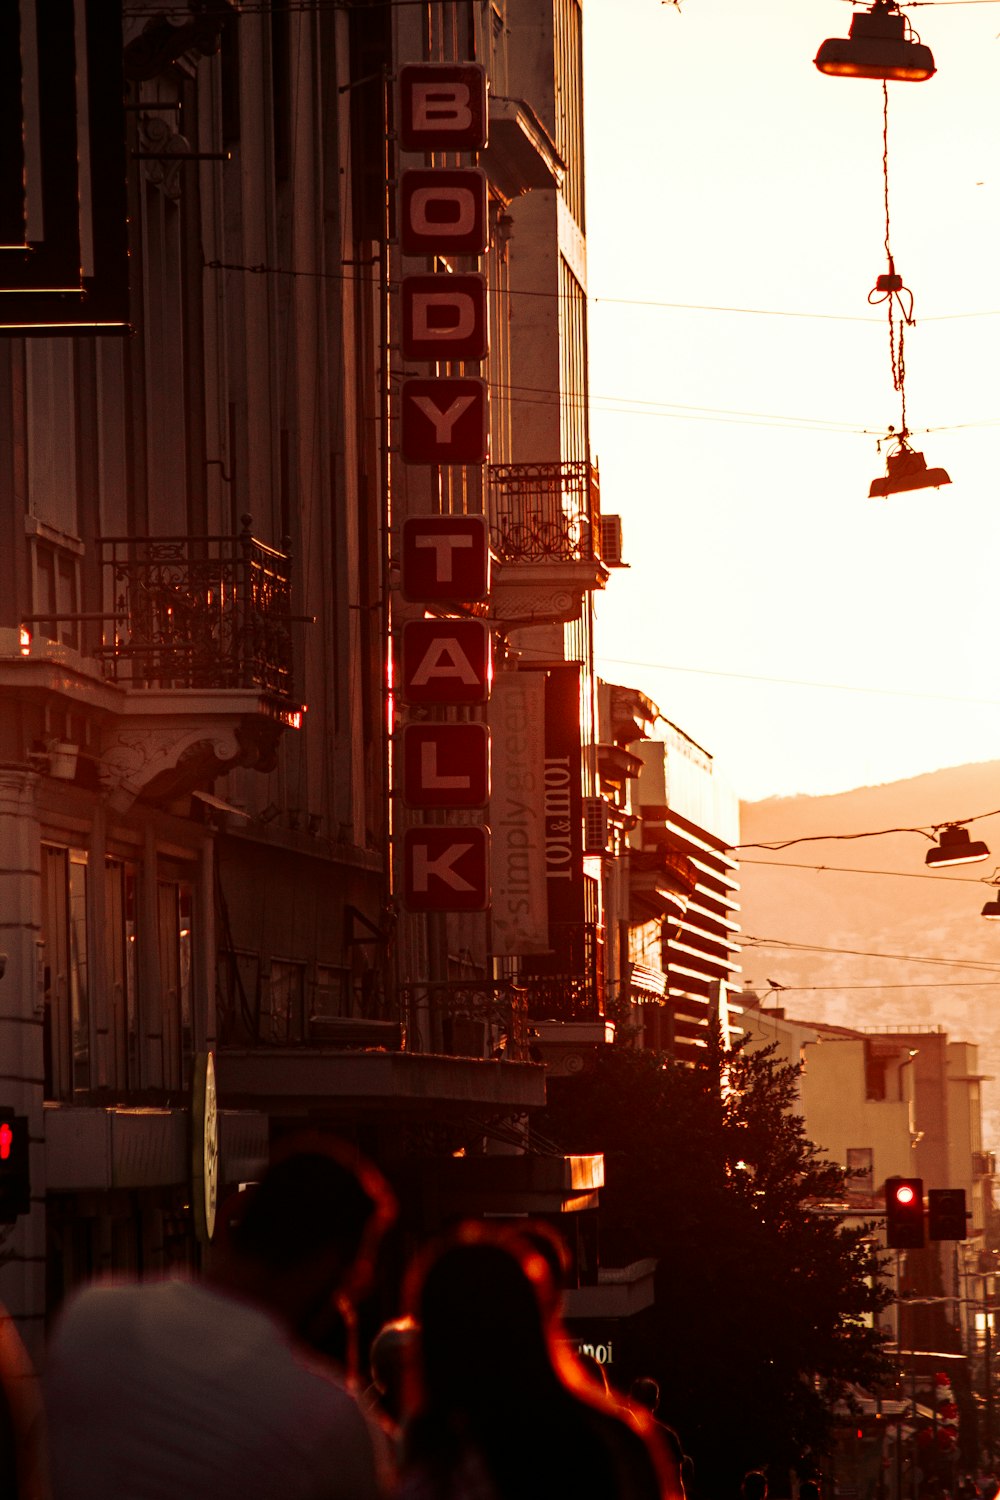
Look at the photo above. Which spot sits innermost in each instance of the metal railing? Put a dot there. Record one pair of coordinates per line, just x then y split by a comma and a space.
198, 611
567, 985
188, 612
545, 512
480, 1018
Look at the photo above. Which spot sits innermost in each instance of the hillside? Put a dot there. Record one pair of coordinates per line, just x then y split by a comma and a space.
876, 896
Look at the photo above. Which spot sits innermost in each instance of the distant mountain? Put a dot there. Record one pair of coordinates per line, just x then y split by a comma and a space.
855, 905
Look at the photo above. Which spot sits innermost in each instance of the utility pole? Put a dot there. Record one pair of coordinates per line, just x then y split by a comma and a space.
988, 1370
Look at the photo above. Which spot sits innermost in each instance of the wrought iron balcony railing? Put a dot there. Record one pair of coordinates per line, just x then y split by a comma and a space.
480, 1018
567, 985
545, 512
193, 612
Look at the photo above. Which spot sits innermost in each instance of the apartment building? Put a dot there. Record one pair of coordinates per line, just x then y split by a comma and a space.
225, 913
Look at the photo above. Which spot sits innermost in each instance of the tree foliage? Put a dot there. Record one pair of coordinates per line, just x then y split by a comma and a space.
758, 1322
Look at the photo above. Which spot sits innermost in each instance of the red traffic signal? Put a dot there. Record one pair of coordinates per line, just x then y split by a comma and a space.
15, 1174
904, 1213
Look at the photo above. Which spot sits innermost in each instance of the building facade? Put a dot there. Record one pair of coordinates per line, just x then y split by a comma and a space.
234, 853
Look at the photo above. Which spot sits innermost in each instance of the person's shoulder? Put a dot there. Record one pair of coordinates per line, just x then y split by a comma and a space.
640, 1474
90, 1307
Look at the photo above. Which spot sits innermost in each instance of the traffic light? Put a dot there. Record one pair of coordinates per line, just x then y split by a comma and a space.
15, 1172
904, 1213
946, 1214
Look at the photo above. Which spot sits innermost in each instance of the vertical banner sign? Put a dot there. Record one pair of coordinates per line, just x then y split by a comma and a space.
563, 810
517, 814
445, 559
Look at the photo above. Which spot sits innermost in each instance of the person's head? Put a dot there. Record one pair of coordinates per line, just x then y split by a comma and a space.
305, 1236
645, 1392
391, 1357
540, 1236
808, 1490
754, 1486
480, 1298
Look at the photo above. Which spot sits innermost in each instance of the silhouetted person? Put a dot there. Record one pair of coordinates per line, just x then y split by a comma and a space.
392, 1355
754, 1485
644, 1396
23, 1467
809, 1490
501, 1409
207, 1390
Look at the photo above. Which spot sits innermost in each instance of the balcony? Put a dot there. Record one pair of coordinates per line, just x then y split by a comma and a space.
189, 666
481, 1018
455, 1044
568, 984
198, 612
545, 533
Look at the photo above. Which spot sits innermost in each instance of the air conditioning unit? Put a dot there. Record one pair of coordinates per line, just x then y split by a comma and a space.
611, 542
595, 825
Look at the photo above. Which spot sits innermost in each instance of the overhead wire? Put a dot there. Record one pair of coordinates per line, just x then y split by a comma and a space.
977, 966
261, 268
838, 687
926, 984
787, 864
927, 830
618, 405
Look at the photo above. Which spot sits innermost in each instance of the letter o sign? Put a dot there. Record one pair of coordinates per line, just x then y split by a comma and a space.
443, 211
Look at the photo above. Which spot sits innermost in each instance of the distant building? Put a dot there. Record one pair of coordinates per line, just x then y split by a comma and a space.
898, 1102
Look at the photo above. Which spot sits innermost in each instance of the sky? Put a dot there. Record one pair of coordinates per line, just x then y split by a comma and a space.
811, 638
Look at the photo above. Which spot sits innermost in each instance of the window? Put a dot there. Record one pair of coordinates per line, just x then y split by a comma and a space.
122, 1017
55, 592
332, 992
238, 993
860, 1171
65, 972
281, 1018
172, 1055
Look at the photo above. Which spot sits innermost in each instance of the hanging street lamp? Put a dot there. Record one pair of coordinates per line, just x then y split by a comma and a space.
881, 44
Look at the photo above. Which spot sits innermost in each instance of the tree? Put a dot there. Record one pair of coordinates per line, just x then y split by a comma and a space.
758, 1325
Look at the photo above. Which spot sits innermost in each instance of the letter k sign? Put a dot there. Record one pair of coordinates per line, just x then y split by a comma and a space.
446, 869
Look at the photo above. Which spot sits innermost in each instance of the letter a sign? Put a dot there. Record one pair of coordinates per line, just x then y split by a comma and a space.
446, 869
446, 661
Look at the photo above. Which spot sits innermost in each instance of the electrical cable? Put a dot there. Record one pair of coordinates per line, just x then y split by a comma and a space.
263, 269
928, 831
927, 984
833, 687
977, 966
783, 864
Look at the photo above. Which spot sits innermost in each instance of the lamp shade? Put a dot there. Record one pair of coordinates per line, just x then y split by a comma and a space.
992, 908
955, 847
878, 47
907, 470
